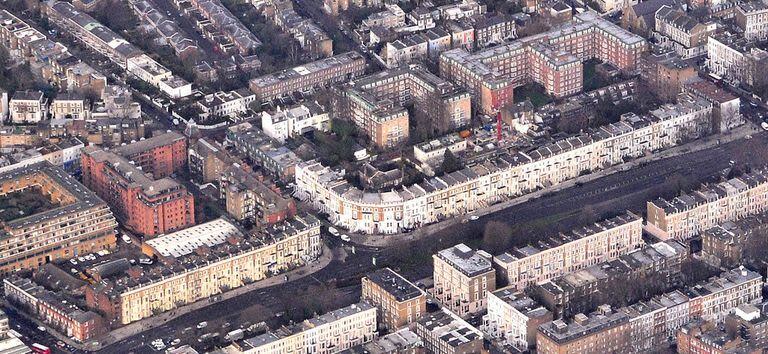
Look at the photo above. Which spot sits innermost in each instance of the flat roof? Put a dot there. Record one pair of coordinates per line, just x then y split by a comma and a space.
185, 241
468, 261
393, 283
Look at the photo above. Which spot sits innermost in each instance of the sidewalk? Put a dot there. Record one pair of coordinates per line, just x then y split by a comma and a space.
158, 320
380, 240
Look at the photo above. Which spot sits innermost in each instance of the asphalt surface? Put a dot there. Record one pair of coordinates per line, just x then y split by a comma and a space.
629, 190
624, 190
257, 306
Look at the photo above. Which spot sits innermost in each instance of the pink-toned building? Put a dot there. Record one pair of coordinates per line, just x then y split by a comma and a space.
552, 59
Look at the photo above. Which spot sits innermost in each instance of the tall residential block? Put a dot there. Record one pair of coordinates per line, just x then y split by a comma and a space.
69, 221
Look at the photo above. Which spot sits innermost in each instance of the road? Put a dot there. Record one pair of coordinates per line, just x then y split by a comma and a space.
623, 190
628, 190
31, 334
256, 306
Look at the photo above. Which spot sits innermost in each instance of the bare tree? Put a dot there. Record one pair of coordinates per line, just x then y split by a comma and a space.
496, 237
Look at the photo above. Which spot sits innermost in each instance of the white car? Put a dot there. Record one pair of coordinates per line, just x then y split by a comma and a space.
126, 239
345, 238
333, 231
202, 325
764, 125
473, 217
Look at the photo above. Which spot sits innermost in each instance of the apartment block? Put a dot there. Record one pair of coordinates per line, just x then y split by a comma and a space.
203, 261
463, 277
443, 332
735, 59
682, 33
53, 310
147, 206
323, 72
726, 108
375, 104
294, 121
76, 221
161, 155
275, 159
745, 331
576, 250
605, 331
576, 292
752, 18
553, 59
648, 325
399, 301
28, 107
222, 104
248, 197
666, 73
208, 160
689, 214
501, 175
333, 332
514, 318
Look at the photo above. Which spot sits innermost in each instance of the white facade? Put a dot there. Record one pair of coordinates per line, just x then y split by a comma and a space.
499, 178
752, 17
152, 72
291, 122
579, 249
509, 315
230, 103
734, 61
333, 332
27, 107
689, 214
435, 149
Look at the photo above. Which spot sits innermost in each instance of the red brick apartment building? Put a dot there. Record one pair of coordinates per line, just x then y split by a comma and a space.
147, 206
552, 59
161, 155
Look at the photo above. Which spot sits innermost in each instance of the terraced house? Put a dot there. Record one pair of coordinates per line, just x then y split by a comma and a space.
689, 214
572, 251
503, 175
202, 261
